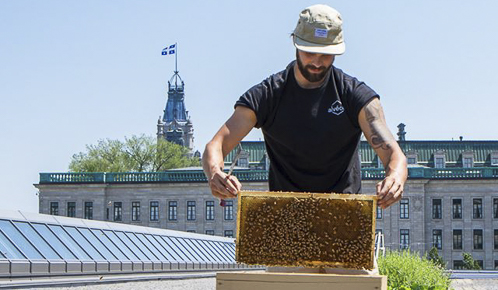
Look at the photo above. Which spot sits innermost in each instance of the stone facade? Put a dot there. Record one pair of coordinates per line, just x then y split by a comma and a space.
419, 195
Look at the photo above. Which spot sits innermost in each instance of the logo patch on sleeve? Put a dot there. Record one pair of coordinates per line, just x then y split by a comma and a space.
320, 32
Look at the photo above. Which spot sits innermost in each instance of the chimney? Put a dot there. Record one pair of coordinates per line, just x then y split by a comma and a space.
461, 138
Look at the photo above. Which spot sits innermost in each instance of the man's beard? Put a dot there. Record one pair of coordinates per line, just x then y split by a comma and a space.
311, 77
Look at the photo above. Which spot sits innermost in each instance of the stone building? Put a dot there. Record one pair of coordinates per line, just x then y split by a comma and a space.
450, 199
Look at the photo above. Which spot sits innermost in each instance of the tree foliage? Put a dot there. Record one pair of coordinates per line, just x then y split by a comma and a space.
136, 154
435, 258
469, 263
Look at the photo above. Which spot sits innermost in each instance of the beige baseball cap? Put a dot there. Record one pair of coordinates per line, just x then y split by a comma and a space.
319, 30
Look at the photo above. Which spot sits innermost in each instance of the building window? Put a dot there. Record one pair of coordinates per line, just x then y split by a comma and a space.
89, 210
210, 232
468, 162
496, 240
228, 210
404, 212
243, 162
477, 239
54, 208
457, 239
135, 211
118, 211
154, 210
477, 208
379, 212
439, 162
437, 209
172, 210
495, 208
190, 210
437, 239
404, 239
229, 233
458, 265
457, 208
71, 209
494, 160
496, 264
190, 231
210, 210
412, 160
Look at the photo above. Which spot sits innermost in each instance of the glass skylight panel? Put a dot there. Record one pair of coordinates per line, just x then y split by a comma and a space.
132, 246
20, 241
151, 247
225, 253
70, 243
77, 236
98, 244
182, 248
54, 242
110, 245
121, 245
212, 245
167, 247
142, 247
36, 239
221, 256
190, 249
163, 251
203, 250
8, 249
2, 256
178, 251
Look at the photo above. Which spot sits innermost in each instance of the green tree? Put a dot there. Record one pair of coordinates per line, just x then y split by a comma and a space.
469, 263
135, 154
435, 258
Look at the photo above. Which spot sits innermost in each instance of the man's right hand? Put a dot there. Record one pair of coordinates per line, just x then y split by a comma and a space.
224, 186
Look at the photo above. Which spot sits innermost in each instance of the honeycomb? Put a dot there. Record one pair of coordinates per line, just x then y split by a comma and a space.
306, 229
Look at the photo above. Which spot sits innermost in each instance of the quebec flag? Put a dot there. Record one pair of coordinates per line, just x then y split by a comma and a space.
169, 50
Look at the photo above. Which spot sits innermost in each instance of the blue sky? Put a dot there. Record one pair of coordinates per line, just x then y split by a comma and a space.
74, 72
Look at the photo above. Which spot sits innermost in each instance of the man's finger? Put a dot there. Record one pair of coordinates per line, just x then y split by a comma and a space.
235, 182
220, 186
395, 194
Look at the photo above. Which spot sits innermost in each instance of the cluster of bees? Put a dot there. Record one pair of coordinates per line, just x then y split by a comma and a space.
305, 231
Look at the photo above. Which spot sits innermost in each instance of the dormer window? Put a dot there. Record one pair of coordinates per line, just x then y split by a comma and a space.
468, 162
439, 159
439, 162
468, 159
411, 157
494, 158
243, 162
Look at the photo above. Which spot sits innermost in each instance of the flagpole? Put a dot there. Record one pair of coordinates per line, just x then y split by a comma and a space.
176, 57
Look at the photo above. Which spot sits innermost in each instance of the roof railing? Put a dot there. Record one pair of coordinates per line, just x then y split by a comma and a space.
176, 176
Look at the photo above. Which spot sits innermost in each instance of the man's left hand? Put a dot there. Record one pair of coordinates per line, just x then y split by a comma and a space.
389, 191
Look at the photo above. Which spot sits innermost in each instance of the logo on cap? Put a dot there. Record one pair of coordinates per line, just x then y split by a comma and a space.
320, 32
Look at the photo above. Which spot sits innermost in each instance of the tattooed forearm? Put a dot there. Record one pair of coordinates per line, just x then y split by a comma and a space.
380, 137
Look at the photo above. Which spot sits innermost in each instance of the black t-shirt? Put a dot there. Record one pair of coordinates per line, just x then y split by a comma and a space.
311, 135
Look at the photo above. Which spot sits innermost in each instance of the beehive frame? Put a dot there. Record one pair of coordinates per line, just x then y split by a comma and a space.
306, 229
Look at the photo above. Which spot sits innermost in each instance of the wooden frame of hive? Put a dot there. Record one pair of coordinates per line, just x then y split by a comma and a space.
306, 229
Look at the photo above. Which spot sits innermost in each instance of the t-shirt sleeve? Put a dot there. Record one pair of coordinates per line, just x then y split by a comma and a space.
359, 94
258, 98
